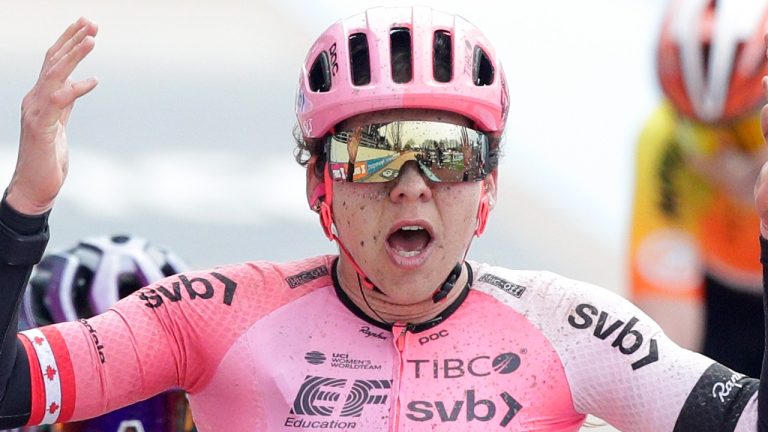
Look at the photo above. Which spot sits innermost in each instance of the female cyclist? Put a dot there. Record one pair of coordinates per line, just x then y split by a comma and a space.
400, 114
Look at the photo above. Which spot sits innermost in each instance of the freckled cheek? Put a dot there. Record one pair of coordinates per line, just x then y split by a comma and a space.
460, 207
357, 215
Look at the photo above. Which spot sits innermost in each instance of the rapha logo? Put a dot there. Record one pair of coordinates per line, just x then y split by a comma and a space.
722, 390
95, 339
321, 396
300, 279
370, 333
512, 288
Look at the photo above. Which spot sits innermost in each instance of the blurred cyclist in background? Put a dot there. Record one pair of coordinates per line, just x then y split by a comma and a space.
694, 264
87, 280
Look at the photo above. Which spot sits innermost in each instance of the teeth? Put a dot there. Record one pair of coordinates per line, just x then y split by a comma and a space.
411, 228
408, 254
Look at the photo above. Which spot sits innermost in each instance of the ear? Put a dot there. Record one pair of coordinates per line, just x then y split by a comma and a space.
491, 180
315, 186
487, 201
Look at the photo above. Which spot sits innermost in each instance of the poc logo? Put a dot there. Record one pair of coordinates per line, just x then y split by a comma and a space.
627, 341
320, 396
334, 59
433, 337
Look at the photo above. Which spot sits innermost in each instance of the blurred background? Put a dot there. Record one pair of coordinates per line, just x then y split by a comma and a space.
187, 139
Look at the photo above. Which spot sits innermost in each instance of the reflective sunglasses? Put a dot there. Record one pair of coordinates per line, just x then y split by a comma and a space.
375, 153
701, 138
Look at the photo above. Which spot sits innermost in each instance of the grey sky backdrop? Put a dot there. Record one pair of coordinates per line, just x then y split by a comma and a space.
187, 141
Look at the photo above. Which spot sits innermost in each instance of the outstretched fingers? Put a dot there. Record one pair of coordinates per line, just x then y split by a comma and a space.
69, 45
54, 82
41, 166
75, 33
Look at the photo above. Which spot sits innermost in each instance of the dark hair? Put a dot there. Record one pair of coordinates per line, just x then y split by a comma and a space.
306, 148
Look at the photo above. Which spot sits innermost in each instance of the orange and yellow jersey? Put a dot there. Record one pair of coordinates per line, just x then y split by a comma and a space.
683, 225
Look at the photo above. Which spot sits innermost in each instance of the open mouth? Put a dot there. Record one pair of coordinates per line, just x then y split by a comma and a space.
409, 240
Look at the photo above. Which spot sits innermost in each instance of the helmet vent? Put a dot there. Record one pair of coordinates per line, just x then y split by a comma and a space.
482, 70
320, 74
81, 291
168, 270
442, 51
359, 59
89, 258
402, 54
38, 285
127, 284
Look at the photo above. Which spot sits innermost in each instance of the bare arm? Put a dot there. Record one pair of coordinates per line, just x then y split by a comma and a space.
42, 162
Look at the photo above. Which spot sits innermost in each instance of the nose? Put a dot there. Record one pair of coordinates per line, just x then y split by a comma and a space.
410, 185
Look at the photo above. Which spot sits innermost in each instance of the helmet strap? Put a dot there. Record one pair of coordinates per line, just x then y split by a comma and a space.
327, 222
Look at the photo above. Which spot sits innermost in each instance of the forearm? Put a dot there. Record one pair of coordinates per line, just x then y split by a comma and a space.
762, 399
21, 243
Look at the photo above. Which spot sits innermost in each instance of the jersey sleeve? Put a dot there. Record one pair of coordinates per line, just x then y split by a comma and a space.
171, 334
621, 367
153, 340
89, 367
624, 369
15, 268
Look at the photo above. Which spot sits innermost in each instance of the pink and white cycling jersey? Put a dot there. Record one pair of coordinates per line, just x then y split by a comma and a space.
272, 347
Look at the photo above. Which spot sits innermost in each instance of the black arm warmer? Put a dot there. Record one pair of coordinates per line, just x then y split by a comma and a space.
23, 238
762, 396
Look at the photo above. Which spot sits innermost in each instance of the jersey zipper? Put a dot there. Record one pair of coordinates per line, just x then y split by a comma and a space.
400, 332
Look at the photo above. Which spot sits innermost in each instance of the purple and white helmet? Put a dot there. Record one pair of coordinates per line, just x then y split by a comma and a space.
89, 278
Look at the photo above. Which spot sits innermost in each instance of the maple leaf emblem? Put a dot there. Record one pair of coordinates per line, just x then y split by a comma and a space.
39, 340
50, 373
53, 408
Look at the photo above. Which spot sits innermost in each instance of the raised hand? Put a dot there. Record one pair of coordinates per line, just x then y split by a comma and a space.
43, 152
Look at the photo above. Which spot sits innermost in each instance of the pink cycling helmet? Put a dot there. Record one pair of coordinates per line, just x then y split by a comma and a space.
348, 70
711, 57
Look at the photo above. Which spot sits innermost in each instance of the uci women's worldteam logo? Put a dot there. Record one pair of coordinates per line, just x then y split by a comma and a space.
341, 361
315, 357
